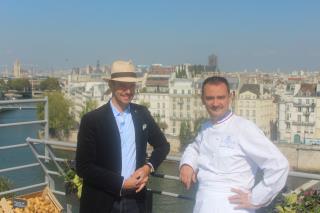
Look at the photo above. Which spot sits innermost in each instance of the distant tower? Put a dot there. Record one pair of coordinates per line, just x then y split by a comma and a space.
213, 63
98, 65
16, 69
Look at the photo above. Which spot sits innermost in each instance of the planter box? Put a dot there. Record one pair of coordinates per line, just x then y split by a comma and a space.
42, 201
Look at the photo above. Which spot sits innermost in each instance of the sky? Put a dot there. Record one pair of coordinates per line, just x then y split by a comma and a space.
273, 35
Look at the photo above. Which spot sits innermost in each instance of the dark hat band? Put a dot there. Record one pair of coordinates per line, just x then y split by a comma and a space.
123, 74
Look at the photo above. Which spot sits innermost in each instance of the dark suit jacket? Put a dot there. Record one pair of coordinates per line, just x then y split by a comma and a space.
98, 156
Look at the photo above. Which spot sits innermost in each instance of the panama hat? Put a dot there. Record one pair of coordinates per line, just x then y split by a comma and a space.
123, 71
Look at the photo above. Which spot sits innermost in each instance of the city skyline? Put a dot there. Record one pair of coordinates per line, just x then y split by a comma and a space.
269, 36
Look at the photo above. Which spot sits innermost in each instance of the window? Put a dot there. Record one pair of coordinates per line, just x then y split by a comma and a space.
173, 130
307, 101
253, 113
299, 118
288, 125
182, 91
307, 118
299, 108
174, 91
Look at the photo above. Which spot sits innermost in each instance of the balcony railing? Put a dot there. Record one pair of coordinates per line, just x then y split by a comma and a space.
300, 123
312, 105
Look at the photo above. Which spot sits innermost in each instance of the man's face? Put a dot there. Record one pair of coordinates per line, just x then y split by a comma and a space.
216, 98
122, 92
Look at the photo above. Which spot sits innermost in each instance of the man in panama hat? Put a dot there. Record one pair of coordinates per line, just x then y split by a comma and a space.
111, 151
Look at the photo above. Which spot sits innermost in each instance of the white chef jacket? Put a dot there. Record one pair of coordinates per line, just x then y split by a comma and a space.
227, 155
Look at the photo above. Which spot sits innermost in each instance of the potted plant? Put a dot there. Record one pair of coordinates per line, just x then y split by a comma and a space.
305, 201
73, 183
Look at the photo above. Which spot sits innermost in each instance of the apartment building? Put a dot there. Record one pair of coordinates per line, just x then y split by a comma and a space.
255, 103
298, 115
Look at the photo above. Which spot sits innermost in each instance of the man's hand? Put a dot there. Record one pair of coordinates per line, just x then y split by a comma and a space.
242, 199
187, 175
142, 175
131, 183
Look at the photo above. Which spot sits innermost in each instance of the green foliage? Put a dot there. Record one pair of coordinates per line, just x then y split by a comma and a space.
60, 118
181, 73
185, 135
90, 105
196, 69
73, 182
305, 201
3, 85
50, 84
163, 125
19, 84
5, 185
197, 124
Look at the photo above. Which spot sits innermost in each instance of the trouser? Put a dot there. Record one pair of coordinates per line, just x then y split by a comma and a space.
128, 205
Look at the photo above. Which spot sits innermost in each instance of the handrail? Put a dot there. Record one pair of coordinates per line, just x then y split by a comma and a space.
17, 104
23, 101
171, 158
24, 123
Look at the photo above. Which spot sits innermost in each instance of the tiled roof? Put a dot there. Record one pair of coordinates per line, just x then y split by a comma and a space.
307, 90
154, 81
254, 88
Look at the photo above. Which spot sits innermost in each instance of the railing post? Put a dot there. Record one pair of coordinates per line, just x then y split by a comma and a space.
46, 127
149, 198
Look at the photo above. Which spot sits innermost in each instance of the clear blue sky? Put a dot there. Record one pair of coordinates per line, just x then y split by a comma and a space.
244, 34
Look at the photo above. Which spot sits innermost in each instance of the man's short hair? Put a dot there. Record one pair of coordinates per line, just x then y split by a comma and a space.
215, 80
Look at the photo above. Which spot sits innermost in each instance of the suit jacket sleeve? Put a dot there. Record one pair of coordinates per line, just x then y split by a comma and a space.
86, 165
157, 140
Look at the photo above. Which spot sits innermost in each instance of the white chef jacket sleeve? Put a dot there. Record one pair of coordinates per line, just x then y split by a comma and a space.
190, 155
262, 152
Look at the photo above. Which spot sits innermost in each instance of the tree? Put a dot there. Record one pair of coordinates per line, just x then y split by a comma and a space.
60, 118
197, 124
50, 84
3, 88
90, 105
185, 135
19, 84
3, 85
163, 125
5, 185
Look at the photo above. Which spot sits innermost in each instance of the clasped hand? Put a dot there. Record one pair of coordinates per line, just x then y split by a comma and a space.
138, 179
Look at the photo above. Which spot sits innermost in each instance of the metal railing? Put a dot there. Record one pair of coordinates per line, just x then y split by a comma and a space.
31, 142
20, 104
49, 156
